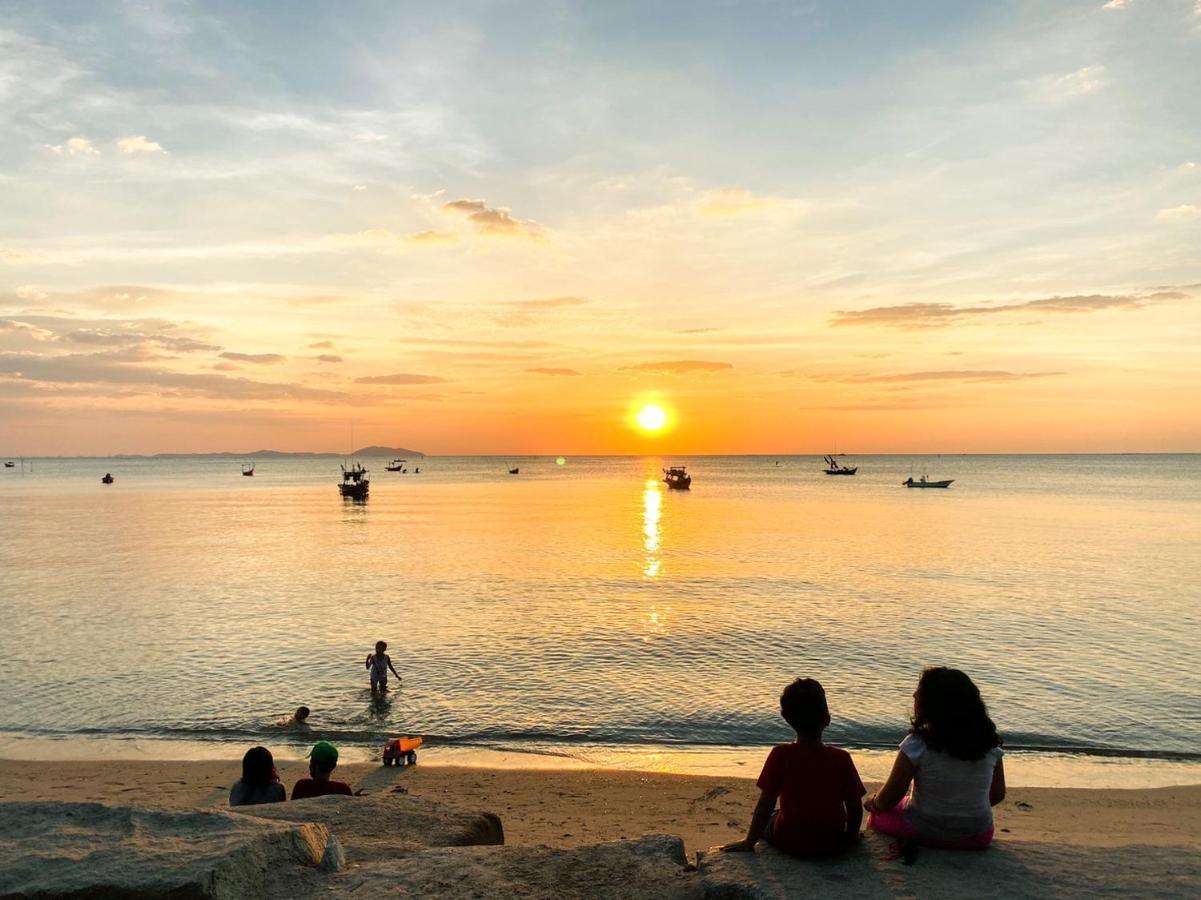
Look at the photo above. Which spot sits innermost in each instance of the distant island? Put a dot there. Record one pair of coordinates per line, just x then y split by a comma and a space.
373, 450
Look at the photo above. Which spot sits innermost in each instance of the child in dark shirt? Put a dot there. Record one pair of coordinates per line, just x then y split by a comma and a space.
817, 786
323, 759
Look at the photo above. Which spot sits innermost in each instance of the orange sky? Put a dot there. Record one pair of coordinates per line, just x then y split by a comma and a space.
954, 232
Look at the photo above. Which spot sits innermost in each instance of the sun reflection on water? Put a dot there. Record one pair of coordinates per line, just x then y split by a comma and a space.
652, 504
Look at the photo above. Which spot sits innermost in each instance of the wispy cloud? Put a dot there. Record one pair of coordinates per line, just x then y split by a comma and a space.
1071, 85
76, 146
400, 378
24, 329
1184, 213
680, 366
386, 239
262, 359
540, 370
104, 369
734, 201
495, 221
139, 143
927, 315
546, 303
329, 358
432, 236
967, 375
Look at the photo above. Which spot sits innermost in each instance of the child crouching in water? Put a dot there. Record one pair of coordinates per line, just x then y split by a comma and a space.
817, 786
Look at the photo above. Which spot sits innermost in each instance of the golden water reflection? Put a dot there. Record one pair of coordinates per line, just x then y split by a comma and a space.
652, 510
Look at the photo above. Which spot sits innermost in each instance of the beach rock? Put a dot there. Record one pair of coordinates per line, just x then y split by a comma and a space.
649, 868
334, 857
1008, 869
77, 850
385, 825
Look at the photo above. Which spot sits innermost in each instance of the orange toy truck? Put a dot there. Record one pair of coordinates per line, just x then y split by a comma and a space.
402, 751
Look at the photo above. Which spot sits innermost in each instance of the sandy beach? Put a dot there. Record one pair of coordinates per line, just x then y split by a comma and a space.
565, 808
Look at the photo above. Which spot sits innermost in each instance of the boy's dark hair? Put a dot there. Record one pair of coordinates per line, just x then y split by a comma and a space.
950, 716
302, 712
803, 706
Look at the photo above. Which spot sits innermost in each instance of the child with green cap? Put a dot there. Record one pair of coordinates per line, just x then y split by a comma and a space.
323, 759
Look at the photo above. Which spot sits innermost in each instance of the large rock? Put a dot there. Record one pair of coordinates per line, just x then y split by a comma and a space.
78, 850
649, 868
1008, 869
383, 826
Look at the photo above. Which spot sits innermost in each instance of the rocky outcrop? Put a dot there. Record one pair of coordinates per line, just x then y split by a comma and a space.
78, 850
386, 825
649, 868
1011, 869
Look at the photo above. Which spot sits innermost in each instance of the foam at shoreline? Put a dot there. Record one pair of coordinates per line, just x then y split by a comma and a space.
1025, 769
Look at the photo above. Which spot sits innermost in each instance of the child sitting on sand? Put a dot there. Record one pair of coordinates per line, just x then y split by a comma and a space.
323, 759
952, 757
817, 785
378, 663
259, 782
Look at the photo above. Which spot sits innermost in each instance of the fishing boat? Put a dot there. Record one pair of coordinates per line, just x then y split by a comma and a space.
677, 478
397, 465
516, 470
834, 467
354, 482
10, 464
108, 478
924, 482
248, 470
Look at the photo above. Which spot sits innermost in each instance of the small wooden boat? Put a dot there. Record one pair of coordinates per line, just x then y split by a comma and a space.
516, 470
834, 467
923, 482
397, 465
355, 483
677, 478
248, 470
107, 479
10, 464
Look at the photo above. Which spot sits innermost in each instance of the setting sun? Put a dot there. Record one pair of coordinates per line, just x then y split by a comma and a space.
652, 418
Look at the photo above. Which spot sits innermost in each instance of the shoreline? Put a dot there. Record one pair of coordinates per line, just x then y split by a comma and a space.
1025, 769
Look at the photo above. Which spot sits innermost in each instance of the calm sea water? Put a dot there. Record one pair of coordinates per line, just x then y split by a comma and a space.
583, 604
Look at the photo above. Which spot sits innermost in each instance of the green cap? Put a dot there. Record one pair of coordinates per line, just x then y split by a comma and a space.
323, 753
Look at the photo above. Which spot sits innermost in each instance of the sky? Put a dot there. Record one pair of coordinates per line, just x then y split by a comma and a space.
505, 227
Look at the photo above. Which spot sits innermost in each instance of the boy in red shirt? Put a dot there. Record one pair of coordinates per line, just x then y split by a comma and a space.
818, 786
323, 759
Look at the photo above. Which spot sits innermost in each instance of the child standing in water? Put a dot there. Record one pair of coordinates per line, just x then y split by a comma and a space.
378, 663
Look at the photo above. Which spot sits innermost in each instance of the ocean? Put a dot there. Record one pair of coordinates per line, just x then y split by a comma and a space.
580, 608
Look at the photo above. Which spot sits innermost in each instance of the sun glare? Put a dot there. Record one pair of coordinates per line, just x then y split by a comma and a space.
652, 418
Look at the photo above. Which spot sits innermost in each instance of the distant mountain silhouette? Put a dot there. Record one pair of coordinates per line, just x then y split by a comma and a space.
375, 450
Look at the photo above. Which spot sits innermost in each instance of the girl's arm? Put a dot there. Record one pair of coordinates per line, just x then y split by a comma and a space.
893, 790
367, 665
393, 668
763, 810
996, 793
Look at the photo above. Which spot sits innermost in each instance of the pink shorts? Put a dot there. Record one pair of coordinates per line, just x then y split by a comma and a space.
896, 824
